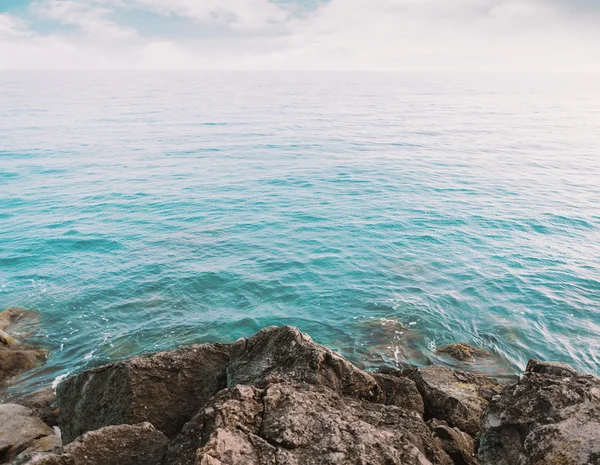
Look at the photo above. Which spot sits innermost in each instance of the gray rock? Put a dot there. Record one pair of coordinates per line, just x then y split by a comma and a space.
112, 445
42, 403
456, 443
165, 389
291, 423
284, 353
21, 431
456, 397
551, 416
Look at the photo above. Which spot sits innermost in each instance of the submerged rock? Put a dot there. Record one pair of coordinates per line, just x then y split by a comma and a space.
22, 431
463, 352
16, 357
112, 445
165, 389
551, 416
456, 397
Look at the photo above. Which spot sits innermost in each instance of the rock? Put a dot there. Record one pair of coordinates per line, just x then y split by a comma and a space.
457, 397
551, 368
14, 362
16, 357
457, 444
399, 391
165, 389
21, 431
463, 352
297, 423
112, 445
284, 353
551, 416
42, 403
19, 321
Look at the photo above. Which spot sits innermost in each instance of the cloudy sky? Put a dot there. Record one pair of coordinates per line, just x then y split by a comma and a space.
301, 34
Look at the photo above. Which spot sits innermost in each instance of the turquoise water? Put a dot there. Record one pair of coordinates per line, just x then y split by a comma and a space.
385, 214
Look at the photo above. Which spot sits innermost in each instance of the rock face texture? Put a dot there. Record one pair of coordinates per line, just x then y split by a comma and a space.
278, 398
15, 356
291, 423
456, 397
21, 431
112, 445
165, 389
551, 416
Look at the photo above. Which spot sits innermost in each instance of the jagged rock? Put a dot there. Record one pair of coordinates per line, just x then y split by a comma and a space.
112, 445
166, 389
284, 353
456, 397
551, 416
292, 423
463, 352
456, 443
399, 391
21, 431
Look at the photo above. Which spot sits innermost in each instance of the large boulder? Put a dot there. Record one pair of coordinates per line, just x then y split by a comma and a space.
284, 353
550, 416
457, 397
296, 423
112, 445
21, 431
165, 389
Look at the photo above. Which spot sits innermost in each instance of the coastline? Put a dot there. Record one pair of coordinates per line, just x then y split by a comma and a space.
278, 398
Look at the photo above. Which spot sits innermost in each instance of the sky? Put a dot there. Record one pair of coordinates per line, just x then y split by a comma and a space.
521, 35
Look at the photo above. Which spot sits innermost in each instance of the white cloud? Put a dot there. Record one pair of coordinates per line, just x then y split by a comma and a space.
340, 34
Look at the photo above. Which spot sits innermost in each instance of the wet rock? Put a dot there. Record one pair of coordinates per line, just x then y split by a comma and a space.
16, 357
463, 352
112, 445
165, 389
457, 397
21, 431
292, 423
19, 322
551, 416
457, 444
284, 353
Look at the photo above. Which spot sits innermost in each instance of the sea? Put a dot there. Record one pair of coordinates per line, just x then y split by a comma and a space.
385, 214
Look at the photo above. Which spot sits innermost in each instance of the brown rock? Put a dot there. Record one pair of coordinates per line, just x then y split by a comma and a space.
551, 416
166, 389
456, 443
291, 423
456, 397
399, 391
113, 445
42, 403
463, 352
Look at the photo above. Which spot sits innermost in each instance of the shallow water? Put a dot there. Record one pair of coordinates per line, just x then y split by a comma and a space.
385, 214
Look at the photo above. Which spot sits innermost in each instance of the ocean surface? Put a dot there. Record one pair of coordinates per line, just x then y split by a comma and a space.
384, 214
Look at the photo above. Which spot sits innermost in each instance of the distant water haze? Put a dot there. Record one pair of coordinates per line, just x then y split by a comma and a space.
384, 214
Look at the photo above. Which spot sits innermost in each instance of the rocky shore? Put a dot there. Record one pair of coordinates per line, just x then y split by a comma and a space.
279, 398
